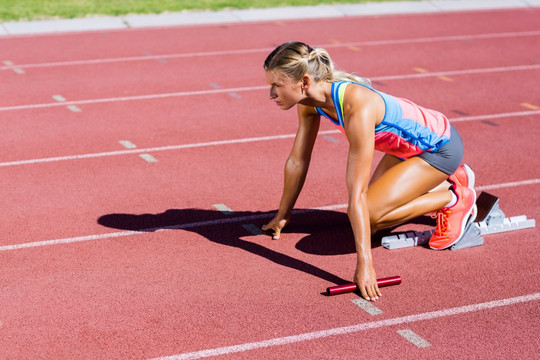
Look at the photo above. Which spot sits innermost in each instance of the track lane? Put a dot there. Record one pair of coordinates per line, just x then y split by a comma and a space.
156, 123
167, 182
148, 222
335, 45
143, 296
169, 289
154, 78
135, 42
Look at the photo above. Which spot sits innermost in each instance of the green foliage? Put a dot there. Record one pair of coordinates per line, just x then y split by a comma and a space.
51, 9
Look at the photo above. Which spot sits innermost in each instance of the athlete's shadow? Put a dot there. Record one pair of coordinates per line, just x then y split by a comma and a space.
328, 232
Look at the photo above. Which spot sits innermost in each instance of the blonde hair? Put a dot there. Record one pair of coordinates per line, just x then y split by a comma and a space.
294, 59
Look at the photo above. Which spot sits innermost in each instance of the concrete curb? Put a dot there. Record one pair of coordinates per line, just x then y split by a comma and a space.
253, 15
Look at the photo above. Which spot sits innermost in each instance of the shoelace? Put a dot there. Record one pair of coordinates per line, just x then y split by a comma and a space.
442, 222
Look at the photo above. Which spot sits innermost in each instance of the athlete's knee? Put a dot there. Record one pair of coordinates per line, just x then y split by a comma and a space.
375, 219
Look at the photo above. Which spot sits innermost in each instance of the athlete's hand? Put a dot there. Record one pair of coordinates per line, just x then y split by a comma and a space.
366, 281
276, 225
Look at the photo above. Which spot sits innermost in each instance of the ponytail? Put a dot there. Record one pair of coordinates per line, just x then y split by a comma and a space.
295, 59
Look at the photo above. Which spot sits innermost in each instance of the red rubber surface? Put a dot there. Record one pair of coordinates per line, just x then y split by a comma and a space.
78, 283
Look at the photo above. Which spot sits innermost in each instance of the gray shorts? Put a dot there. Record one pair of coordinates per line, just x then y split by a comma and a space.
448, 157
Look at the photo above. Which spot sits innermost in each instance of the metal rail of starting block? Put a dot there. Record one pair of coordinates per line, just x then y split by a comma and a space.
490, 219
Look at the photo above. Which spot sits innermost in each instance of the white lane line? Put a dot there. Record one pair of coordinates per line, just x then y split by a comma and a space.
265, 87
414, 338
164, 228
155, 149
224, 209
367, 306
331, 139
434, 39
127, 144
142, 58
240, 348
9, 66
242, 219
235, 141
254, 229
158, 58
508, 184
495, 116
149, 158
69, 240
133, 98
62, 100
458, 72
74, 108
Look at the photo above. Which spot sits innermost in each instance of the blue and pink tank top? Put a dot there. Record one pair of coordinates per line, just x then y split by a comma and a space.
406, 129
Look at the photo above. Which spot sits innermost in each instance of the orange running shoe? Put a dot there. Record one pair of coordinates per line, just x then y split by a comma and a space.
452, 221
464, 176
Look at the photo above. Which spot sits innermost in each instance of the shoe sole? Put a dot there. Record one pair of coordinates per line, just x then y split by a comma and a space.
470, 176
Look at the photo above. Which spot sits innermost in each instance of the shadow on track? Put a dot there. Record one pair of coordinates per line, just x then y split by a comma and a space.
328, 232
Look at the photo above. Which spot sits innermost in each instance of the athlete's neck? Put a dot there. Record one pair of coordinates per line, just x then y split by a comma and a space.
319, 95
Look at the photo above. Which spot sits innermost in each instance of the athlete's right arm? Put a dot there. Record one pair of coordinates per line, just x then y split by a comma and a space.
296, 167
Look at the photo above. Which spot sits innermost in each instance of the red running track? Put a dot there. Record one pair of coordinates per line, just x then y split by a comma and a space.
106, 255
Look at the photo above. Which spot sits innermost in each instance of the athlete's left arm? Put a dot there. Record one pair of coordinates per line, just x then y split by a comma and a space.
360, 113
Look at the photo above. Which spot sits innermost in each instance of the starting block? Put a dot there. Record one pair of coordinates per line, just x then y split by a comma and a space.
490, 219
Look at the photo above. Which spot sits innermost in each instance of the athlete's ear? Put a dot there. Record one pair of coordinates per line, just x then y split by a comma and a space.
306, 82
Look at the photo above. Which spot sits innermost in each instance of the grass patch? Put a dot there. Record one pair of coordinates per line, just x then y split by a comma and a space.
15, 10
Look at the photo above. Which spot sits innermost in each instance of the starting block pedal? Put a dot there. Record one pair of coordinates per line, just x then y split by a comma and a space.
413, 238
470, 238
490, 219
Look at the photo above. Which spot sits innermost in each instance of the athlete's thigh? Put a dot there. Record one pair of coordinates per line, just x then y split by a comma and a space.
388, 161
401, 184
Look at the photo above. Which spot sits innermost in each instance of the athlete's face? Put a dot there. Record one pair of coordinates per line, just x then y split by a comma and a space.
283, 91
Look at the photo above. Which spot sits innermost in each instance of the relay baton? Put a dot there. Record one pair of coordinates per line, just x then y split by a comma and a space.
347, 288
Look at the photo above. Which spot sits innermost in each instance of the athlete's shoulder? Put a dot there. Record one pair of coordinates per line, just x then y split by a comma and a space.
357, 95
364, 101
356, 89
